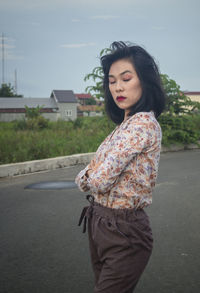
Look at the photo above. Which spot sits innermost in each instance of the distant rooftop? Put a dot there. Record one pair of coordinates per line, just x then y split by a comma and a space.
83, 96
20, 103
64, 96
191, 93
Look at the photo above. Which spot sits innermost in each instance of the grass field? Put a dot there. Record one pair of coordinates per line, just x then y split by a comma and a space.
19, 142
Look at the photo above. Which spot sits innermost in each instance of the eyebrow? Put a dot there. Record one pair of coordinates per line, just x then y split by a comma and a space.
126, 71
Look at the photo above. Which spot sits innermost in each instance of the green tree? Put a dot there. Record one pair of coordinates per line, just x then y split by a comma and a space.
33, 112
176, 101
90, 101
7, 91
97, 76
35, 120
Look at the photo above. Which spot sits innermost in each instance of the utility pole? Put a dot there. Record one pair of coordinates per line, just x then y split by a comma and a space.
16, 82
3, 60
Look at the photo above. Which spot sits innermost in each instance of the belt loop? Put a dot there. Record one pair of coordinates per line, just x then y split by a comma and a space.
86, 212
90, 198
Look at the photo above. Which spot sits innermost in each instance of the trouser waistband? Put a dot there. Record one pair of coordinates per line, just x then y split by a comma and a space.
105, 212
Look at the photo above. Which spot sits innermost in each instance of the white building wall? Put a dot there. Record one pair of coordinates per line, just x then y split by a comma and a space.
92, 114
194, 98
51, 116
68, 111
65, 111
8, 117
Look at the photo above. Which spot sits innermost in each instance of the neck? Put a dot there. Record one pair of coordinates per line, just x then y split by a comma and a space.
126, 115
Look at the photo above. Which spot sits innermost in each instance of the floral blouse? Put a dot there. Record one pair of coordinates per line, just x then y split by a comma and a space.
124, 168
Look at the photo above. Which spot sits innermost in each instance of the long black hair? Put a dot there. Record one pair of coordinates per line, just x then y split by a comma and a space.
153, 96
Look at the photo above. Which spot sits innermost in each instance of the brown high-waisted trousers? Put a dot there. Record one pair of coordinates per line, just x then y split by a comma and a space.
120, 243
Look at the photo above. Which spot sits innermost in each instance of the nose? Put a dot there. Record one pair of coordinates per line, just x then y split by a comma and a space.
119, 86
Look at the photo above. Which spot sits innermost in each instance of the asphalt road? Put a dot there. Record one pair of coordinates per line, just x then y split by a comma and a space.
42, 250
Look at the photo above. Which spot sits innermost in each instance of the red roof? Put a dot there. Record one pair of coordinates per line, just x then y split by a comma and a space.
192, 93
83, 96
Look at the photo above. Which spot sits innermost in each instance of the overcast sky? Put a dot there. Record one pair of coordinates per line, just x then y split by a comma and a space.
53, 44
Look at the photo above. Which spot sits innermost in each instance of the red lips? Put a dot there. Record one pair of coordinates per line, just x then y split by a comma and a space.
120, 98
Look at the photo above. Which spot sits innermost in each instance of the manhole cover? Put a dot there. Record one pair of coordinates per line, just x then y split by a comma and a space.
52, 185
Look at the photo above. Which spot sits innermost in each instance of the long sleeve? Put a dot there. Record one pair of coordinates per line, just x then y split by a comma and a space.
124, 169
81, 178
133, 139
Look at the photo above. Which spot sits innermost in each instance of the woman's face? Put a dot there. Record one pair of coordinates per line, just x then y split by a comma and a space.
124, 84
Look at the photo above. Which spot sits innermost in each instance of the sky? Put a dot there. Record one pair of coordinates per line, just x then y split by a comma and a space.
53, 44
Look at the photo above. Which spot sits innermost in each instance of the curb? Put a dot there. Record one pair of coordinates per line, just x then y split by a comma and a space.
27, 167
10, 170
176, 148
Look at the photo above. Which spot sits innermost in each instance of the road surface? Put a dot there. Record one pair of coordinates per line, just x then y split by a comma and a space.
42, 250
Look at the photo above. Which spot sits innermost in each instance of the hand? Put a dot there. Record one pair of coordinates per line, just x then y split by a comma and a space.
85, 188
89, 172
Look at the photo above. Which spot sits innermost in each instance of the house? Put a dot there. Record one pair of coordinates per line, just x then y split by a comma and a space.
62, 104
83, 98
85, 109
90, 110
194, 96
67, 104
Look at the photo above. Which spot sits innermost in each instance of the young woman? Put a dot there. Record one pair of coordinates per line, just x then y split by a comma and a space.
122, 174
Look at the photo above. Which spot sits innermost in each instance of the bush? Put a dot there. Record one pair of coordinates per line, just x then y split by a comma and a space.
20, 141
182, 129
20, 124
35, 123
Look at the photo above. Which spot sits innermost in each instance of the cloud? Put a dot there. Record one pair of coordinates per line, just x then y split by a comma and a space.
158, 28
28, 4
35, 23
29, 23
52, 4
104, 17
75, 20
9, 52
11, 56
80, 45
6, 39
7, 46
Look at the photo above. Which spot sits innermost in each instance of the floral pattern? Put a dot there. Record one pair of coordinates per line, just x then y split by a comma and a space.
125, 166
